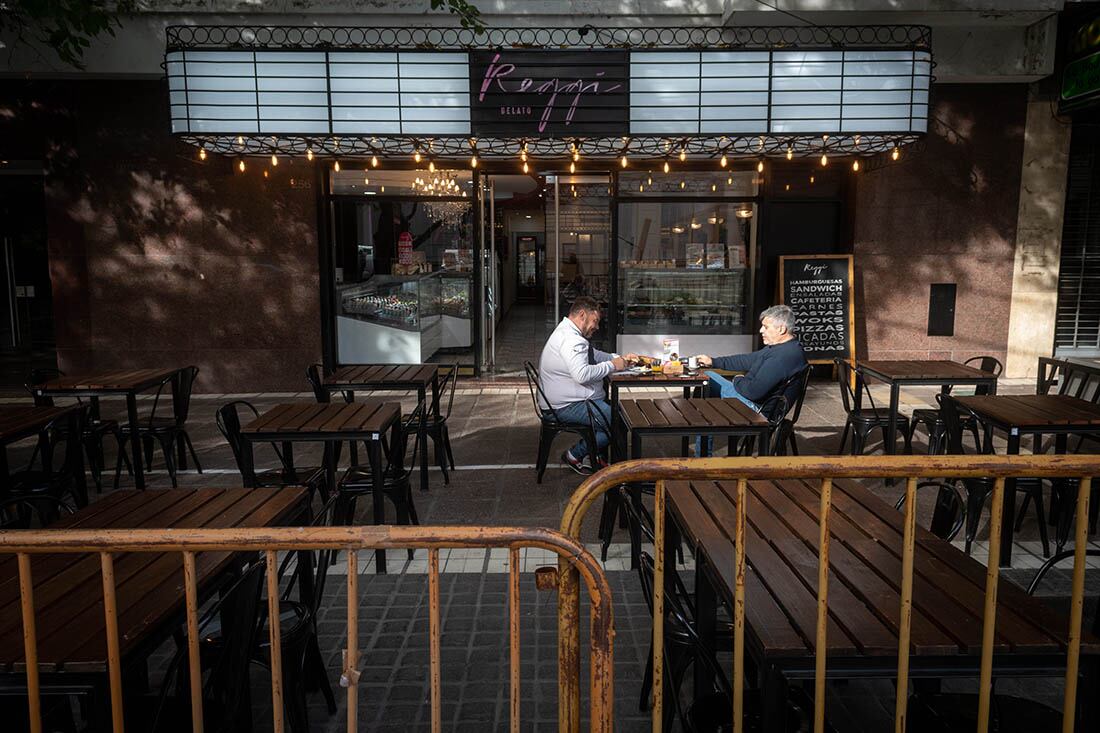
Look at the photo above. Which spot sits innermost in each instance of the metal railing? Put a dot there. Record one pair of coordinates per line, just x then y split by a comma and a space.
188, 542
825, 470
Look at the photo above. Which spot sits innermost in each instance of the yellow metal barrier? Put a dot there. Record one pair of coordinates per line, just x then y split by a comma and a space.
187, 542
824, 469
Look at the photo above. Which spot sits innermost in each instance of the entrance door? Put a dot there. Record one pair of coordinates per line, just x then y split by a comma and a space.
26, 300
529, 261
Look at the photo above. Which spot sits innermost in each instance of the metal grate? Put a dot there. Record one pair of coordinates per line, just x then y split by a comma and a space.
1077, 325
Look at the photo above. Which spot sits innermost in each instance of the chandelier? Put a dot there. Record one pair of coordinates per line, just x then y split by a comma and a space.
438, 183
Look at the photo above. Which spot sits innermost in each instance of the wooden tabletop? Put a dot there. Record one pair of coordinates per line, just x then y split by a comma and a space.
901, 371
68, 589
628, 378
382, 376
127, 380
865, 573
22, 421
704, 415
310, 419
1034, 411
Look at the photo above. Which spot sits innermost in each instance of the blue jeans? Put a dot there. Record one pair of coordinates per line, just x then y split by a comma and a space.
576, 413
719, 386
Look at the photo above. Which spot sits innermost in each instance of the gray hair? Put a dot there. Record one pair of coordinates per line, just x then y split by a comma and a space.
782, 315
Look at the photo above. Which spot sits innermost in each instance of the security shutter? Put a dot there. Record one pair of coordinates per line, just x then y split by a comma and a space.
1077, 328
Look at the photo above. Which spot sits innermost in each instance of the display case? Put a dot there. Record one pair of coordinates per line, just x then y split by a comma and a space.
390, 320
659, 300
456, 319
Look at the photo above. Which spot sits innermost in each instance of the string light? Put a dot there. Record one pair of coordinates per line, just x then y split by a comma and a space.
683, 153
895, 153
666, 167
760, 167
640, 188
374, 161
855, 166
787, 187
240, 165
336, 166
309, 154
723, 161
682, 184
649, 178
431, 166
383, 189
729, 181
622, 161
274, 160
202, 153
576, 154
572, 167
366, 181
523, 155
824, 159
416, 155
714, 187
811, 179
525, 168
790, 152
265, 174
240, 140
473, 160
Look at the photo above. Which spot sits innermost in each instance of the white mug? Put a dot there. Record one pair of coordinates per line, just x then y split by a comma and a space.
693, 363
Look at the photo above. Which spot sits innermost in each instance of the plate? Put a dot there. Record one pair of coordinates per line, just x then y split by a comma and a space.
639, 370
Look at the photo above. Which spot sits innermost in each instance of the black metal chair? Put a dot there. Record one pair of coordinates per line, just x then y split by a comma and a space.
932, 421
228, 419
50, 474
950, 500
774, 408
952, 712
32, 512
794, 389
169, 432
863, 416
94, 431
437, 423
551, 423
979, 489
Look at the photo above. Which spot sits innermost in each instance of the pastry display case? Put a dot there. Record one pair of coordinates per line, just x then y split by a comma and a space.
390, 319
456, 318
680, 301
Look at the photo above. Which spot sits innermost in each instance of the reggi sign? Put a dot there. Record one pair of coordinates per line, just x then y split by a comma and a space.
523, 93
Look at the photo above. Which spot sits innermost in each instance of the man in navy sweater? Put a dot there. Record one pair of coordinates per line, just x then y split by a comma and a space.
779, 360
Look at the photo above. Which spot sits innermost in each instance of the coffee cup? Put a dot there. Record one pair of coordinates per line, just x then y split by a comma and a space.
693, 363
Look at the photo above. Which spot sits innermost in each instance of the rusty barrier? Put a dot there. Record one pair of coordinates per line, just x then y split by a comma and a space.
825, 470
188, 542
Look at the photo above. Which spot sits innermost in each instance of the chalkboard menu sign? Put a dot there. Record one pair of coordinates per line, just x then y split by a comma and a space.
818, 288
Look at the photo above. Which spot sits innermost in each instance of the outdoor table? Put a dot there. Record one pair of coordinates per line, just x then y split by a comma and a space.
331, 423
711, 416
22, 421
781, 545
68, 588
1049, 414
910, 373
366, 377
617, 380
123, 382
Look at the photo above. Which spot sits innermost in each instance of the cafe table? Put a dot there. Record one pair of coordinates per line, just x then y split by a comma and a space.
23, 421
865, 571
676, 416
331, 423
127, 383
68, 588
629, 378
1036, 414
350, 378
939, 373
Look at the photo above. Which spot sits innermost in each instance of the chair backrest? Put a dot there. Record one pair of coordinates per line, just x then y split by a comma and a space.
228, 419
450, 383
944, 528
67, 429
950, 413
181, 395
989, 364
538, 398
796, 392
844, 377
38, 377
1046, 568
313, 374
316, 563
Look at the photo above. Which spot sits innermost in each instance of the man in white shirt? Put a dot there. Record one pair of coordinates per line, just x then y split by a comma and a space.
571, 371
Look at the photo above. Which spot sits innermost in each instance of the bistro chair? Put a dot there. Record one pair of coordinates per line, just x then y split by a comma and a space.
774, 408
932, 421
979, 489
235, 617
32, 512
551, 424
794, 389
50, 474
169, 432
94, 431
862, 420
949, 500
228, 419
951, 712
437, 424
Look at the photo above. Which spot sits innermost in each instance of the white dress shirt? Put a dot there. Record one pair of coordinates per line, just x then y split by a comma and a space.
565, 374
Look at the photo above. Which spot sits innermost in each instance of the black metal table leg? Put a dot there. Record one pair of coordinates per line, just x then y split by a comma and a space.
685, 442
422, 436
248, 471
1008, 517
377, 495
706, 619
135, 436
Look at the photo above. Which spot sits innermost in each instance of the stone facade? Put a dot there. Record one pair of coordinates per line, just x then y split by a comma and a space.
157, 258
946, 213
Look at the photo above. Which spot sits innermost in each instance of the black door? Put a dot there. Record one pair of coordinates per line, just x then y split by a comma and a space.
529, 261
26, 300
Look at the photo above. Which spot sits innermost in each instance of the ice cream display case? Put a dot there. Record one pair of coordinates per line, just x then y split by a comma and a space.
390, 320
456, 320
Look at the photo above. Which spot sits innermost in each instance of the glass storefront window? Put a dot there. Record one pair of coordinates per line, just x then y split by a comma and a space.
403, 245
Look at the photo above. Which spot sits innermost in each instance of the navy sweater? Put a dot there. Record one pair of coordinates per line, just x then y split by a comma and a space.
764, 369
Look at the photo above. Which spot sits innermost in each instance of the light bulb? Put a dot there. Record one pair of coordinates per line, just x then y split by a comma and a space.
723, 161
683, 154
760, 167
682, 184
309, 154
729, 181
666, 167
523, 155
366, 181
790, 152
374, 161
574, 194
473, 160
274, 160
649, 180
786, 187
240, 165
525, 168
572, 167
383, 189
640, 188
336, 166
576, 155
202, 153
714, 187
265, 174
416, 155
811, 179
824, 159
622, 161
895, 153
431, 166
855, 166
240, 140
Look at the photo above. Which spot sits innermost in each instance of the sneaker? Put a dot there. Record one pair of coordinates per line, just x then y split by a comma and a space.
576, 464
601, 462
